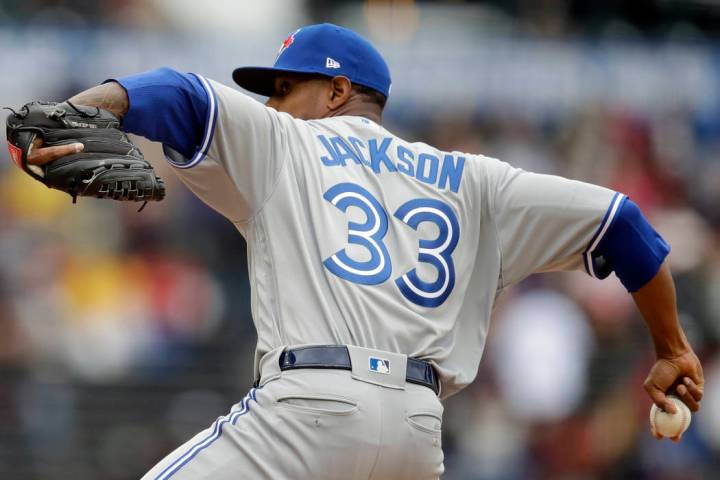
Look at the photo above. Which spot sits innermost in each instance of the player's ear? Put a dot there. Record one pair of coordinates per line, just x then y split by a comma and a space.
340, 92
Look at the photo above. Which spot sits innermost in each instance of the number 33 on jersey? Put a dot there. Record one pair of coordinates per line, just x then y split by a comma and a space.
370, 236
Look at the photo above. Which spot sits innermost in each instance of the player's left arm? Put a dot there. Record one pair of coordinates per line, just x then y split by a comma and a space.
227, 147
109, 96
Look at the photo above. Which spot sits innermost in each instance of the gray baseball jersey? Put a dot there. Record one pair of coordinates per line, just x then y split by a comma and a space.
356, 236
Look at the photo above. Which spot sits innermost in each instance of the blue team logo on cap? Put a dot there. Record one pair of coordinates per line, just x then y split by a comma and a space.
379, 365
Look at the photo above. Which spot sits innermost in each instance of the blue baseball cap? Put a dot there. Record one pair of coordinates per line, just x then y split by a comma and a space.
323, 49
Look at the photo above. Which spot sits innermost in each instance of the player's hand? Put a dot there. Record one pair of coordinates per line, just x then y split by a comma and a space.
681, 375
39, 155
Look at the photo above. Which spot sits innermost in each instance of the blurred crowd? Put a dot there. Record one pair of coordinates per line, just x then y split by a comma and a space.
122, 333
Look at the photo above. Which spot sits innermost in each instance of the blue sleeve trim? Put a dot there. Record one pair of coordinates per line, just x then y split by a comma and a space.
617, 200
209, 132
632, 248
177, 109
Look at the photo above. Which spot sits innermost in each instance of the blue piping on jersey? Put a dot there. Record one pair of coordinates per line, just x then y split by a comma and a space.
231, 418
631, 248
607, 221
209, 127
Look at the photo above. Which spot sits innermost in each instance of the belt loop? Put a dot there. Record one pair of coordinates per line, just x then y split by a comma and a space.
269, 366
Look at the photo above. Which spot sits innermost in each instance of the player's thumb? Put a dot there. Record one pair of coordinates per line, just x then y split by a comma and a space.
660, 399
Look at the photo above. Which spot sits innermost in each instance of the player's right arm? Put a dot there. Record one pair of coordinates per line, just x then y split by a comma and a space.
677, 366
547, 223
225, 146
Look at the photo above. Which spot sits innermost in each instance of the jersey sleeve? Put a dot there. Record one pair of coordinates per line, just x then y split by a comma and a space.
240, 159
227, 147
545, 222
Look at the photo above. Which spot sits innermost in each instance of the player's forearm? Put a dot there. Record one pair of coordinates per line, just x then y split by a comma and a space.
656, 302
162, 105
109, 96
636, 253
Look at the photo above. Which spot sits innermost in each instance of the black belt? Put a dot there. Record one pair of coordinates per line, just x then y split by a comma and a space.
337, 357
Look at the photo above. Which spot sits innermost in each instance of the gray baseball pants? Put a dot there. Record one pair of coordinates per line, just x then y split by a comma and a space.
319, 424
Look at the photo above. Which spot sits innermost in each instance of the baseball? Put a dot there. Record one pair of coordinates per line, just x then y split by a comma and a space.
668, 424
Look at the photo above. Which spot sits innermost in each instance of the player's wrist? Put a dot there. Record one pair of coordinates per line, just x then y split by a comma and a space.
110, 96
671, 346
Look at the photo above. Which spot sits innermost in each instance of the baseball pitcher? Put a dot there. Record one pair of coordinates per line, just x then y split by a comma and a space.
374, 262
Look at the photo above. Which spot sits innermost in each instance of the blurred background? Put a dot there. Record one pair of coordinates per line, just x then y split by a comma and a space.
123, 334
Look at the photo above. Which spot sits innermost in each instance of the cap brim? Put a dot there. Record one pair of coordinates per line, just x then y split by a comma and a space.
261, 80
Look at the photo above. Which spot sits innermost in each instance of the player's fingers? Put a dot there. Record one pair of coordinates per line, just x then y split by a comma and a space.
687, 398
695, 390
41, 156
676, 438
655, 433
697, 373
659, 398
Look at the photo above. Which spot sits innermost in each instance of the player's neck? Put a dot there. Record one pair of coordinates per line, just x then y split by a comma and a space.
358, 108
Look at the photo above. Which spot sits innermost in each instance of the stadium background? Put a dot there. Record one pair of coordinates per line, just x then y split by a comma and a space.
122, 334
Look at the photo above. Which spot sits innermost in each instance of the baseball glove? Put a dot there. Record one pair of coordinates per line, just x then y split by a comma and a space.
110, 165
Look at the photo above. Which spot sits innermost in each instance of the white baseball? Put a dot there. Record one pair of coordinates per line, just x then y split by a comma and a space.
668, 424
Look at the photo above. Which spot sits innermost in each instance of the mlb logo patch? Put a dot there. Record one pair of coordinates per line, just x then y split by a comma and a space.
379, 365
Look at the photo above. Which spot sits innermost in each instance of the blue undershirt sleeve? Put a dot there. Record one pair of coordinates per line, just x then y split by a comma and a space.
169, 107
630, 247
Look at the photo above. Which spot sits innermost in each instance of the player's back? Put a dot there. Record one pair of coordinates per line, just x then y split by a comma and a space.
356, 236
369, 240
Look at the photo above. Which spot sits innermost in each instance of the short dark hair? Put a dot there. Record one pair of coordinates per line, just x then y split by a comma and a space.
372, 95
